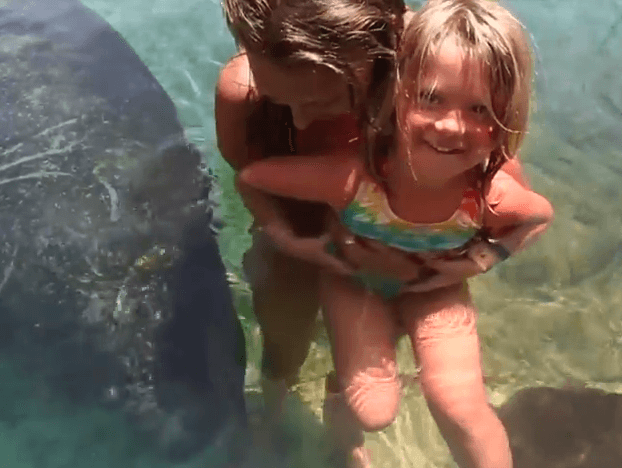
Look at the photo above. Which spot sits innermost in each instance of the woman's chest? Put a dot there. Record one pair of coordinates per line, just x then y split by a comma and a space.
326, 136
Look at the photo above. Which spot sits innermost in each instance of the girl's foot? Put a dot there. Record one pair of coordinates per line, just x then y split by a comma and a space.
359, 458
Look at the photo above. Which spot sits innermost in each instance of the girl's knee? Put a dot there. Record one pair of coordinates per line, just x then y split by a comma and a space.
464, 412
375, 404
458, 321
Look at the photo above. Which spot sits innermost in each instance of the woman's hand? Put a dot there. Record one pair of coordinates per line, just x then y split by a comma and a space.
450, 271
374, 257
310, 249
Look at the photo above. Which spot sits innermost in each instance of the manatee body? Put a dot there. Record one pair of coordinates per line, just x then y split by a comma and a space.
111, 285
564, 428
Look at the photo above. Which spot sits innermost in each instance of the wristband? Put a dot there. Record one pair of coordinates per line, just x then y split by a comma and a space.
500, 251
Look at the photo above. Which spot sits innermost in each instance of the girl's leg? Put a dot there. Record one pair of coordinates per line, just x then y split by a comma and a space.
286, 304
442, 327
365, 396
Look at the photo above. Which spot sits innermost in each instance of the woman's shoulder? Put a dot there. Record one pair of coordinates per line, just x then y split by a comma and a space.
235, 80
232, 107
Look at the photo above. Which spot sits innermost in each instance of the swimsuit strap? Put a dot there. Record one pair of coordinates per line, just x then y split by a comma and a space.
370, 215
372, 195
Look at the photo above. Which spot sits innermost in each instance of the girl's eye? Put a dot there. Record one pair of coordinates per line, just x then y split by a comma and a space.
480, 109
428, 97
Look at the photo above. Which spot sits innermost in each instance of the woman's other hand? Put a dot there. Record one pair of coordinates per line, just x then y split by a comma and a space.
311, 249
447, 273
375, 257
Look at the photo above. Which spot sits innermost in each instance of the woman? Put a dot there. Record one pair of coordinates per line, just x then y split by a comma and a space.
311, 75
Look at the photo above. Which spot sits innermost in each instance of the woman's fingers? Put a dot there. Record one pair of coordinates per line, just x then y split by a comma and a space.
358, 255
338, 266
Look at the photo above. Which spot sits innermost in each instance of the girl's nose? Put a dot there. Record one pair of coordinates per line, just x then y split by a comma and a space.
452, 122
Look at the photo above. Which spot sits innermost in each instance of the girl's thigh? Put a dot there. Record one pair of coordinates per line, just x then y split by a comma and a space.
363, 332
442, 327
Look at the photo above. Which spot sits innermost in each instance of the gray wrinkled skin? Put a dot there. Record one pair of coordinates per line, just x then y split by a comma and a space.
569, 427
111, 285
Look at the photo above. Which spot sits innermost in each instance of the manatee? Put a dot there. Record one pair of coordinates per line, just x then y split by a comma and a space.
112, 289
570, 427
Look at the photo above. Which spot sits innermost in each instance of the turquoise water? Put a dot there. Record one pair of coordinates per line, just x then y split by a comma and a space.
551, 314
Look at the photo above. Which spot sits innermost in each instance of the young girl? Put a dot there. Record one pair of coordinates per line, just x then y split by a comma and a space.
461, 109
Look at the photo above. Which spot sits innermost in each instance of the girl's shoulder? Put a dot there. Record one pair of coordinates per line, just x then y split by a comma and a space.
502, 185
507, 196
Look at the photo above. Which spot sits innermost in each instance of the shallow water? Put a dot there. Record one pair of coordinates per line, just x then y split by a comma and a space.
551, 314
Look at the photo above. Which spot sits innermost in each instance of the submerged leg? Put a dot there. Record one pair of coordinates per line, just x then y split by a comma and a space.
286, 304
342, 425
363, 331
442, 327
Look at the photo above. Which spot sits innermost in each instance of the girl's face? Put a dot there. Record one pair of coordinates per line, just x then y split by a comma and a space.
312, 92
450, 128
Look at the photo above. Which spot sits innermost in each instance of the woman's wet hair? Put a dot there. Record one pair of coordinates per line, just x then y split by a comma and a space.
489, 33
338, 34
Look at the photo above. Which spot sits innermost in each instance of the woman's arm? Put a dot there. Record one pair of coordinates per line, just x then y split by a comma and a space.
232, 111
232, 108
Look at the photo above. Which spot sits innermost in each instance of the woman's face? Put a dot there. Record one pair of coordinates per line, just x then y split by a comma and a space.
312, 92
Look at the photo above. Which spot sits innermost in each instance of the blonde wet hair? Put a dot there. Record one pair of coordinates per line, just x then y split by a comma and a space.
487, 32
337, 34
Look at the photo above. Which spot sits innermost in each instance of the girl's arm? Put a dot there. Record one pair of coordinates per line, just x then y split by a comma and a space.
332, 179
516, 218
514, 168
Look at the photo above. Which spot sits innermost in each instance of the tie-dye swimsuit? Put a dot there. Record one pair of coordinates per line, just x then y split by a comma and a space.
370, 216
